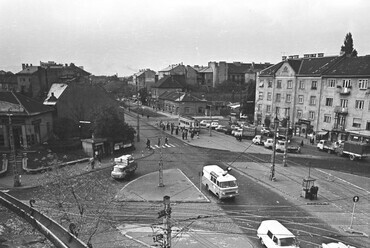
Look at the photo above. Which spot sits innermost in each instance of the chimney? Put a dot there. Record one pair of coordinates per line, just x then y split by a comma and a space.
30, 64
283, 58
306, 55
23, 66
320, 55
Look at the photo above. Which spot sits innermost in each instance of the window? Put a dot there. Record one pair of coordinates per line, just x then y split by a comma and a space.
288, 98
268, 96
344, 103
356, 122
268, 108
269, 84
278, 85
362, 84
329, 102
278, 96
313, 85
299, 114
327, 118
286, 112
301, 85
300, 99
259, 107
187, 110
312, 100
290, 84
260, 95
261, 84
311, 115
277, 111
346, 83
359, 104
332, 83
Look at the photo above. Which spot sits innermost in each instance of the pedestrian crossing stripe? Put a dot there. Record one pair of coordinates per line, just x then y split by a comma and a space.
162, 146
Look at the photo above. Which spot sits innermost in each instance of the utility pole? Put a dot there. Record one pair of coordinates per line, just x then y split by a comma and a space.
285, 157
138, 118
272, 174
160, 184
167, 222
12, 159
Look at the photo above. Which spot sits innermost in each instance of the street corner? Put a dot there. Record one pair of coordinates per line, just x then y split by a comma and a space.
175, 184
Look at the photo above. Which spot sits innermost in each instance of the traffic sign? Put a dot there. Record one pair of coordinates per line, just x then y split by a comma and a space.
356, 198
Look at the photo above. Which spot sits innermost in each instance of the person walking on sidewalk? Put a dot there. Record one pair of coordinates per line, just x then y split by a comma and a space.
159, 142
148, 143
92, 163
166, 141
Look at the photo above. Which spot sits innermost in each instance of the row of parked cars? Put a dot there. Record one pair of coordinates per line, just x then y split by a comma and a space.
280, 144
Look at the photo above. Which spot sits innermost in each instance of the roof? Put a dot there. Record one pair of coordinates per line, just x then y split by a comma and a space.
238, 68
219, 171
29, 70
55, 90
295, 64
283, 232
203, 69
168, 82
316, 66
179, 97
351, 66
20, 102
270, 71
170, 67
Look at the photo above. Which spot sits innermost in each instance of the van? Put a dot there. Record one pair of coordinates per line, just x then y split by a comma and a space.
273, 234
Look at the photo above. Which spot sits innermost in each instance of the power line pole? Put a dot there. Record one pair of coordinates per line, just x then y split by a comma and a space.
12, 159
160, 184
272, 174
138, 118
285, 157
167, 222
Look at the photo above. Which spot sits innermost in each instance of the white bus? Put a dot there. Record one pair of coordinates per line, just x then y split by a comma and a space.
219, 182
189, 123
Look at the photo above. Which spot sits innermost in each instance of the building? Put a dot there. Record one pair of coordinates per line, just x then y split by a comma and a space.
144, 79
188, 72
166, 84
32, 122
321, 95
182, 103
8, 81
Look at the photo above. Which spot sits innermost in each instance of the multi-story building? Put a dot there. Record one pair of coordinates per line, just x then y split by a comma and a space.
8, 81
316, 94
144, 79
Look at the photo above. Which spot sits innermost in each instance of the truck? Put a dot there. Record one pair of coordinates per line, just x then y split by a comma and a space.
354, 150
219, 182
326, 146
123, 166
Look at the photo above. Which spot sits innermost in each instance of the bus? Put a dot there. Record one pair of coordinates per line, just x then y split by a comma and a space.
189, 123
219, 182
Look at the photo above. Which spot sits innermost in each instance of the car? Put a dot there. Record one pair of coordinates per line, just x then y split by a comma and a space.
268, 143
265, 131
205, 123
280, 146
272, 234
214, 124
336, 245
220, 128
257, 140
291, 148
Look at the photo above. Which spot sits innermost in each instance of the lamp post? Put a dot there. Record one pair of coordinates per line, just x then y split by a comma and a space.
17, 181
272, 173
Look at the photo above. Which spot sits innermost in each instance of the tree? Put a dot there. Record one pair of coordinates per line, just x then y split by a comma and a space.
109, 123
347, 48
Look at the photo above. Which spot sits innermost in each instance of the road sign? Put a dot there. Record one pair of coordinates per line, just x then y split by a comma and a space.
356, 198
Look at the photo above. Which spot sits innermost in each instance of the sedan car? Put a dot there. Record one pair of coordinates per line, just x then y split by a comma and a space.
205, 123
220, 128
214, 124
269, 143
280, 147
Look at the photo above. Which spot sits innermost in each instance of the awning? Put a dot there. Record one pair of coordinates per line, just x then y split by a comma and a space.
322, 133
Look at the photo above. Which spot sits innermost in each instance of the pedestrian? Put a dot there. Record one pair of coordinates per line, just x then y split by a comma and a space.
302, 143
147, 117
159, 142
171, 130
164, 128
92, 163
198, 135
186, 134
177, 130
148, 143
183, 134
166, 141
192, 135
168, 126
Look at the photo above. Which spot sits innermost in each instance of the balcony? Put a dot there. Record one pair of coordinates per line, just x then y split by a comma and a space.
337, 127
344, 90
341, 110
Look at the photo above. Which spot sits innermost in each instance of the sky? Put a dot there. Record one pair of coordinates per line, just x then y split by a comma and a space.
124, 36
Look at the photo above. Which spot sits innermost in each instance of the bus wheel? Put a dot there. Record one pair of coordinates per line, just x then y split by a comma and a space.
352, 157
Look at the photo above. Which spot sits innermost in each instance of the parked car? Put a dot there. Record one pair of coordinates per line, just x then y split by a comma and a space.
265, 130
205, 123
280, 147
336, 245
214, 124
326, 145
257, 140
268, 143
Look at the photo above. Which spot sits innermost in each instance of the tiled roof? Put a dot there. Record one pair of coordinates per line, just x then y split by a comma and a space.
31, 107
170, 67
179, 97
57, 90
295, 64
316, 66
168, 82
238, 68
270, 71
358, 66
29, 70
203, 69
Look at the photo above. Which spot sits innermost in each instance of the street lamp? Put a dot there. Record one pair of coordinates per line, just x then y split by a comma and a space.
272, 173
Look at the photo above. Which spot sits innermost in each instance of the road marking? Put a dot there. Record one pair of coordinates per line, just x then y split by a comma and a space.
330, 175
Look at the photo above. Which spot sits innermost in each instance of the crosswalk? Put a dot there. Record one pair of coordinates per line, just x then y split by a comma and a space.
164, 146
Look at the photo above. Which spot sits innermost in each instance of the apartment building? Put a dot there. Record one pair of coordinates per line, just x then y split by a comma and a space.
317, 94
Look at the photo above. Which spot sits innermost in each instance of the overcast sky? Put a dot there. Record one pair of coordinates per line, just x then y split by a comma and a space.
112, 36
